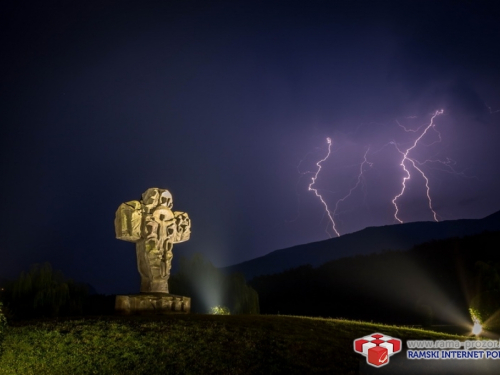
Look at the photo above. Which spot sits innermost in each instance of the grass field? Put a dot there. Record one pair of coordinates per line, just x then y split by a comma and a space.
191, 344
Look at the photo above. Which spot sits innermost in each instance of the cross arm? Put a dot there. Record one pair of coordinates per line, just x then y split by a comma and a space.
183, 226
128, 219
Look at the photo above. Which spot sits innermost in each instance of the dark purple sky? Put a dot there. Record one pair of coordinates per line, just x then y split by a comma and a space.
219, 102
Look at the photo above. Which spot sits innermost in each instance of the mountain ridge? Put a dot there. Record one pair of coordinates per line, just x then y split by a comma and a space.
366, 241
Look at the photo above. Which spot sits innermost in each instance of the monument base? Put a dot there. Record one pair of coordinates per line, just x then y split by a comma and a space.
152, 303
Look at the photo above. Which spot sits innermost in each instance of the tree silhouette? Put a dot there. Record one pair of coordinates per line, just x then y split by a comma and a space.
485, 306
208, 287
44, 292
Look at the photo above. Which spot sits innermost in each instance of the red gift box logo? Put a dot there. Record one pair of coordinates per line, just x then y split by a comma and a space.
377, 348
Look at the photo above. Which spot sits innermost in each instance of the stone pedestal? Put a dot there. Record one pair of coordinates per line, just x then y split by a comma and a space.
152, 303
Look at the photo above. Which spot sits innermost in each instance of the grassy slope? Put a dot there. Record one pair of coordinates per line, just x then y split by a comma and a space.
191, 344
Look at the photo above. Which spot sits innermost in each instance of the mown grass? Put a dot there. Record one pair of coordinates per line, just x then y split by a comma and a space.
191, 344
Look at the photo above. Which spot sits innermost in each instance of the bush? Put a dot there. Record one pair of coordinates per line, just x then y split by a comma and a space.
220, 310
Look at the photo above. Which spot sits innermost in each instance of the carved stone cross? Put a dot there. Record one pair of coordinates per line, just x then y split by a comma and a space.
154, 228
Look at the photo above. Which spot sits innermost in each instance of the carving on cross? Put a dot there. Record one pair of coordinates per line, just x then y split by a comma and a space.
154, 228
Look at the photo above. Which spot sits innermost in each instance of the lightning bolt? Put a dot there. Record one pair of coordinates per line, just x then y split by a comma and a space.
360, 178
313, 181
492, 111
406, 158
420, 137
448, 167
409, 130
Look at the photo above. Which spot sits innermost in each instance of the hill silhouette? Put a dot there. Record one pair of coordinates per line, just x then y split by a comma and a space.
432, 282
366, 241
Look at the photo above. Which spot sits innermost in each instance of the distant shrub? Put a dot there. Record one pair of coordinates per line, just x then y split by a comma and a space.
220, 310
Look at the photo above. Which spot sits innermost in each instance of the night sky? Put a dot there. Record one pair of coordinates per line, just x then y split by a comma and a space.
229, 106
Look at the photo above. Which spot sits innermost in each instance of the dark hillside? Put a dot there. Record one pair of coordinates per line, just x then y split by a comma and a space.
433, 281
366, 241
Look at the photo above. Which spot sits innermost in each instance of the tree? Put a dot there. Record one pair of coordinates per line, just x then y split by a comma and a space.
208, 287
241, 298
485, 306
44, 292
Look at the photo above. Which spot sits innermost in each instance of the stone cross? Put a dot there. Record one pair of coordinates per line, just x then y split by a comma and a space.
154, 228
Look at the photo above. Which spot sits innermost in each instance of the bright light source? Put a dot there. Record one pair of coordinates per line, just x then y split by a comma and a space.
477, 329
220, 310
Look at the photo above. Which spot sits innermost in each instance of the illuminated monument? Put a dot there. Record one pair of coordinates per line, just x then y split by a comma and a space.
154, 228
